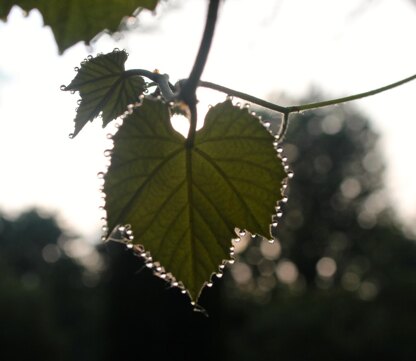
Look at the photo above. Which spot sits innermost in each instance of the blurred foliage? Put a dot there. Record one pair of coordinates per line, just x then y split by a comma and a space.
45, 307
349, 292
277, 303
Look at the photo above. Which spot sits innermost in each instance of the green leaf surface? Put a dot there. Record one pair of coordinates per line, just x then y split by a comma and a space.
104, 87
79, 20
183, 203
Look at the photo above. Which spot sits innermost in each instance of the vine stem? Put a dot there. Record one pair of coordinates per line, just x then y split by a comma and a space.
188, 96
187, 93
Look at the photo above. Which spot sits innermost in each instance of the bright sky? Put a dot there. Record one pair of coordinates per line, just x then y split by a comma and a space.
279, 47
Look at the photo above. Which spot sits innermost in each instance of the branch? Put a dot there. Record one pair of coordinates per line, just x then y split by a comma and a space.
187, 92
302, 107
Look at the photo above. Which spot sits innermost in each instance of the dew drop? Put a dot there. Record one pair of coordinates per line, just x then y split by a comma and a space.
130, 246
279, 214
221, 266
71, 135
62, 87
247, 105
121, 229
279, 150
76, 69
242, 233
89, 57
79, 101
209, 284
231, 261
290, 174
193, 303
284, 199
275, 144
116, 50
100, 175
109, 136
219, 275
271, 241
103, 238
72, 91
266, 124
284, 159
175, 284
183, 292
274, 224
229, 97
108, 152
149, 264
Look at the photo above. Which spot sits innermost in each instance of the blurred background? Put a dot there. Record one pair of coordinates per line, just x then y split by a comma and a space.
340, 282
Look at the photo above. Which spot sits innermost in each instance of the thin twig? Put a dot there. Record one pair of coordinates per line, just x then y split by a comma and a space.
299, 108
241, 95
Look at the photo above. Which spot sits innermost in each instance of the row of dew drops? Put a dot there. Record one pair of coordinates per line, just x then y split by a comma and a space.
63, 87
124, 233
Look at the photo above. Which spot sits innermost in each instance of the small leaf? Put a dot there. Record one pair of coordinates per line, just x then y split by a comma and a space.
183, 203
104, 87
79, 20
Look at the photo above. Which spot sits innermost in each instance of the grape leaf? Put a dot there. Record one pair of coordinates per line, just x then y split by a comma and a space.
79, 20
104, 87
183, 202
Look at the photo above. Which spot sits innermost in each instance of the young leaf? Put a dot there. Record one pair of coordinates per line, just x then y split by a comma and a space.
104, 87
182, 202
79, 20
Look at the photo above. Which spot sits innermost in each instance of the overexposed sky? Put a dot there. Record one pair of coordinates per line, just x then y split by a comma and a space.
278, 47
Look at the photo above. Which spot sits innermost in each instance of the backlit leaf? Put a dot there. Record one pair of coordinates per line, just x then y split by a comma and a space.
79, 20
104, 87
183, 202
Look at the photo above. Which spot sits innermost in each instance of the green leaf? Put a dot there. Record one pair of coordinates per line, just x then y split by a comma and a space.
183, 203
79, 20
104, 86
